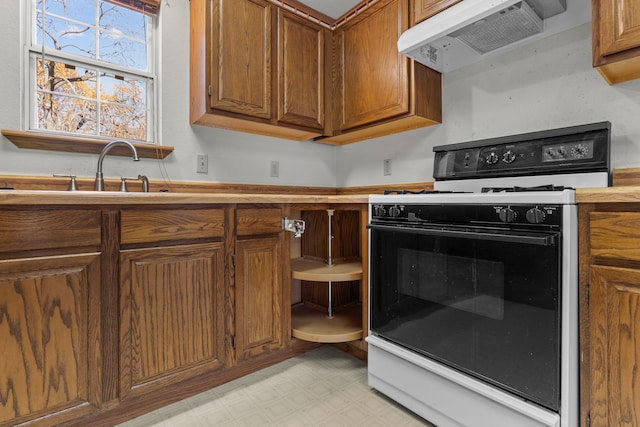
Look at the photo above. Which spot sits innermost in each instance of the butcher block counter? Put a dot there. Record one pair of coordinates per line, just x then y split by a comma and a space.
114, 304
621, 194
46, 197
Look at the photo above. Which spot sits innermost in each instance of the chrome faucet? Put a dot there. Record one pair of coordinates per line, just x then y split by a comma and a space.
109, 146
145, 183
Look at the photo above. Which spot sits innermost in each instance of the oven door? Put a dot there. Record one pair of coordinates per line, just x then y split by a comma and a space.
484, 301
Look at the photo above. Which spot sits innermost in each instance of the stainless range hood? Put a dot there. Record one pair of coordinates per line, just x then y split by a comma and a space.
475, 29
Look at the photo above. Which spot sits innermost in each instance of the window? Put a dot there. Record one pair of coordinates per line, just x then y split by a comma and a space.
92, 68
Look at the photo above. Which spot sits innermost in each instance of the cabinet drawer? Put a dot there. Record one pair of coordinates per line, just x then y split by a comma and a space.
161, 225
615, 235
26, 230
254, 221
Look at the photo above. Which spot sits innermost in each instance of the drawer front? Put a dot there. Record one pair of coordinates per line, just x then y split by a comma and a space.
254, 221
162, 225
615, 235
26, 230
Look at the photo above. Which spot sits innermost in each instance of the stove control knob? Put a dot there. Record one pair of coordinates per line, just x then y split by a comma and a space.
508, 156
535, 216
507, 215
394, 211
379, 210
492, 158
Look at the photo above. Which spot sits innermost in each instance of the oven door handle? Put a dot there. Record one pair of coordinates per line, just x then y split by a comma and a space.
492, 235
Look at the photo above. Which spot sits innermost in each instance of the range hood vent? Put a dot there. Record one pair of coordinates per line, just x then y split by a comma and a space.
501, 28
474, 29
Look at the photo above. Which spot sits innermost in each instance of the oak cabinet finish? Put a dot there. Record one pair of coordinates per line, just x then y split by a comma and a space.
610, 325
259, 68
171, 315
259, 296
49, 315
423, 9
252, 70
377, 90
241, 57
259, 286
107, 312
301, 65
616, 39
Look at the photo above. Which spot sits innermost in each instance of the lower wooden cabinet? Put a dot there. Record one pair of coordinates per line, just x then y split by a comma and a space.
171, 315
615, 346
49, 323
610, 315
259, 293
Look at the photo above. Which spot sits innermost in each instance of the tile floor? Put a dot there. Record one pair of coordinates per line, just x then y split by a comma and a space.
324, 387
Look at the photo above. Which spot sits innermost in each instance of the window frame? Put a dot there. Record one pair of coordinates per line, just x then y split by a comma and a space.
32, 50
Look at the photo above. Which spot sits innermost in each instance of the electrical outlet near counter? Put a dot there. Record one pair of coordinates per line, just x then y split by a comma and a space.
274, 169
202, 161
386, 167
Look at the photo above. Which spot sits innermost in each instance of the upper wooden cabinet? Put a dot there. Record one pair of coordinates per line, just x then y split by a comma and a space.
241, 57
301, 65
259, 68
248, 69
616, 39
378, 91
423, 9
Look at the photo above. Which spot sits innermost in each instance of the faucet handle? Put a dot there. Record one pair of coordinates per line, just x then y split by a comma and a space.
73, 186
123, 184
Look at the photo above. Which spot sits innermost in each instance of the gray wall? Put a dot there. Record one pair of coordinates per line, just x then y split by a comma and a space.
547, 84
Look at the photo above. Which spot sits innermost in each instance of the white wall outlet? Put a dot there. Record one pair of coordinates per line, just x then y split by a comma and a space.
202, 163
274, 170
386, 167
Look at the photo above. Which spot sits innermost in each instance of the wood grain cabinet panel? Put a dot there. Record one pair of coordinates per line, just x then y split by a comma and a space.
300, 71
49, 321
257, 221
423, 9
376, 90
150, 226
615, 235
616, 39
615, 346
375, 77
171, 314
25, 230
241, 57
259, 304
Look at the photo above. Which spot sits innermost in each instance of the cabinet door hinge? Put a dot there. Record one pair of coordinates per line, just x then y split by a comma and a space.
587, 294
209, 91
233, 260
587, 422
233, 341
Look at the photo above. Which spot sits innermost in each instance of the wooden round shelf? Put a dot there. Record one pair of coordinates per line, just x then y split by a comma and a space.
318, 271
312, 325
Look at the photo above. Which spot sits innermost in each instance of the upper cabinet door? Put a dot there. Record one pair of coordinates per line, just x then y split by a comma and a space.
423, 9
300, 71
619, 25
374, 75
241, 57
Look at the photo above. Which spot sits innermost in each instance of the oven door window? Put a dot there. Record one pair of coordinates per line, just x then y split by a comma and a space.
484, 302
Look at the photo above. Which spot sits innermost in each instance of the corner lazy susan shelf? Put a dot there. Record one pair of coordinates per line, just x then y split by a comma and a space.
313, 325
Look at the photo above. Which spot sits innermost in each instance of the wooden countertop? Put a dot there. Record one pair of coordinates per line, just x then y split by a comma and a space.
34, 197
621, 194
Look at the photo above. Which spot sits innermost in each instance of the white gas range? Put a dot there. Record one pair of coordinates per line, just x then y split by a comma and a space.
473, 311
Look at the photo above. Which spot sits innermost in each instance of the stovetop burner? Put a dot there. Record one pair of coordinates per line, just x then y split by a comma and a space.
517, 189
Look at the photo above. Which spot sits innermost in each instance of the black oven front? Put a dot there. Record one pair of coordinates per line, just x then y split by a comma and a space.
474, 287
